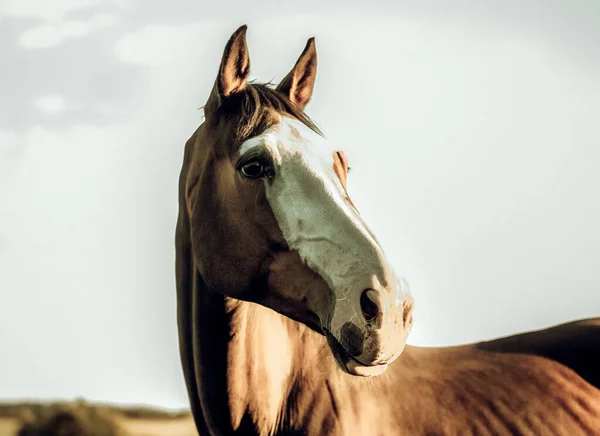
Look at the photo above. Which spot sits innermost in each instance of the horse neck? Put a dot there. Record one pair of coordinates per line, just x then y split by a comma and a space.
256, 360
264, 373
266, 354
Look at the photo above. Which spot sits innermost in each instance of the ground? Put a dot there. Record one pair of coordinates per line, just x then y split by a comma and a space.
98, 420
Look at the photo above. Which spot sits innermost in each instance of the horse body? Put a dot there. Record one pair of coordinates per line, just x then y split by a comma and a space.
254, 386
287, 307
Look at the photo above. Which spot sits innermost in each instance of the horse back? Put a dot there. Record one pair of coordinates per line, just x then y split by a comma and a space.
575, 344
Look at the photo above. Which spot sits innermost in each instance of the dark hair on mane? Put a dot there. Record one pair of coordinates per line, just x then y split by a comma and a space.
256, 104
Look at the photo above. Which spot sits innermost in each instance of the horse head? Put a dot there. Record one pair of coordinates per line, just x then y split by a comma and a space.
271, 221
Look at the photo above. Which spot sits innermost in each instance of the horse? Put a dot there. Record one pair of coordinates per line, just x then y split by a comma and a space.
292, 321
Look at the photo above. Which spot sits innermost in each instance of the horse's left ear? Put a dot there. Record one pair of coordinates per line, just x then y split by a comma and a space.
299, 83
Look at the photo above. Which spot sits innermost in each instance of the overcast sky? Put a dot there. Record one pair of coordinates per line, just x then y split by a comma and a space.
472, 129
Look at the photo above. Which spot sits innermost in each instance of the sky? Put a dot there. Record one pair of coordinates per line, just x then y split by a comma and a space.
471, 129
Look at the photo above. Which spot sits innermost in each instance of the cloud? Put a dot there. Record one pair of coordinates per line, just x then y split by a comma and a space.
154, 45
54, 33
55, 10
9, 142
51, 104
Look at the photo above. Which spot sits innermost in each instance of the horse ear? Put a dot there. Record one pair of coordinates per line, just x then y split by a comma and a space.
299, 83
233, 71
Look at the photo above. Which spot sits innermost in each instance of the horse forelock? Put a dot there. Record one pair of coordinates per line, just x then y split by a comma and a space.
255, 109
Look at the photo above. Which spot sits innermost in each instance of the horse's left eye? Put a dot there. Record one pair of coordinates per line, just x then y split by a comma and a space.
253, 169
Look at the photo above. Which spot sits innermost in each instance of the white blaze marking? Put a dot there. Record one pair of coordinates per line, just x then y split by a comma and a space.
310, 205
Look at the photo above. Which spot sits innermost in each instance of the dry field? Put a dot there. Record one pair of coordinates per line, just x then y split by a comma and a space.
87, 419
9, 426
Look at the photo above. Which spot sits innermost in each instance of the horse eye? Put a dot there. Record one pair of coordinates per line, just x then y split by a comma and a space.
253, 170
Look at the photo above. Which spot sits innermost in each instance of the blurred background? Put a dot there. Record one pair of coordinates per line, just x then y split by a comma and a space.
472, 129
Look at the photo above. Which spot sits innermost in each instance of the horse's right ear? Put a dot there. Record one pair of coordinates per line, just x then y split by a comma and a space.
233, 71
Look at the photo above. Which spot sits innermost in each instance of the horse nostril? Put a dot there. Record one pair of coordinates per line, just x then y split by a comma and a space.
369, 304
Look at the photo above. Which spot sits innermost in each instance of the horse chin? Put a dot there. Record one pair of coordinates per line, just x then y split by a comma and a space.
354, 367
349, 364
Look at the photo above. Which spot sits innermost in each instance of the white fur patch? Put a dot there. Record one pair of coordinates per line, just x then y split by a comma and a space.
317, 220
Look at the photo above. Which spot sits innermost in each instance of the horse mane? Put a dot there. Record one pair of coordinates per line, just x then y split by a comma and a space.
255, 106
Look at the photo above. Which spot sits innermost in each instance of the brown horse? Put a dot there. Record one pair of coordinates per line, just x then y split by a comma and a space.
287, 304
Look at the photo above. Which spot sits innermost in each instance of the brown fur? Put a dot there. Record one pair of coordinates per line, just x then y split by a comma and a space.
254, 358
